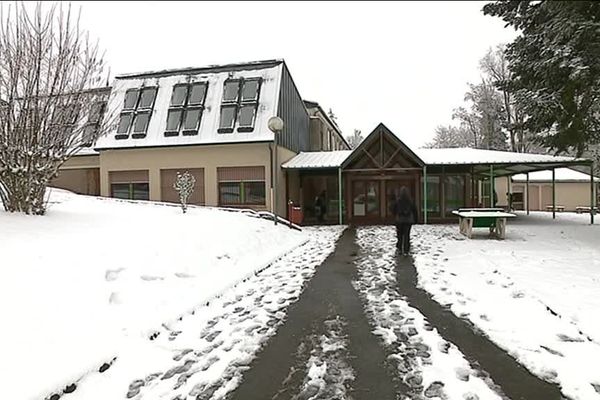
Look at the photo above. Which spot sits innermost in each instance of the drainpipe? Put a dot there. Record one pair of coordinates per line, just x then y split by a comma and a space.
272, 174
492, 186
553, 194
527, 191
425, 194
592, 200
340, 197
509, 193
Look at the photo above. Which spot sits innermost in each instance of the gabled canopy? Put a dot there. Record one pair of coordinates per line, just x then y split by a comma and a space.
382, 151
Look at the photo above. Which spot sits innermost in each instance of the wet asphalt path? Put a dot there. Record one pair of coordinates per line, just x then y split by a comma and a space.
330, 293
280, 369
514, 379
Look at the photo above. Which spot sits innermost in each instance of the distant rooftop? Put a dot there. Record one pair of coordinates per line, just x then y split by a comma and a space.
560, 175
465, 155
205, 69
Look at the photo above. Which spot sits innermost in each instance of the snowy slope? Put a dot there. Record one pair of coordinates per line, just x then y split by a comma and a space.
536, 294
96, 274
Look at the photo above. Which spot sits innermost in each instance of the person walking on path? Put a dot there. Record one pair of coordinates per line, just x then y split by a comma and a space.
321, 207
405, 215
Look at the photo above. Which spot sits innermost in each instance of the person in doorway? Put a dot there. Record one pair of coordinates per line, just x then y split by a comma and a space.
405, 215
321, 206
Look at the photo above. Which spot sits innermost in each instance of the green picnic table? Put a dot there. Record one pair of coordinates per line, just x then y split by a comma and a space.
492, 218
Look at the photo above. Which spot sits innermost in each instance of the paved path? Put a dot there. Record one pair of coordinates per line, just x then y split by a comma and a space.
326, 348
516, 381
330, 295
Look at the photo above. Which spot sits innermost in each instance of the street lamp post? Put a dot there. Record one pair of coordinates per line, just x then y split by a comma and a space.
275, 125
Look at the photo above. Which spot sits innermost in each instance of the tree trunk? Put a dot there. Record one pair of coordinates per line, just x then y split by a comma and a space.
23, 194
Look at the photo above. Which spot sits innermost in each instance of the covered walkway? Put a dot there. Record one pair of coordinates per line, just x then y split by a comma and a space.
360, 185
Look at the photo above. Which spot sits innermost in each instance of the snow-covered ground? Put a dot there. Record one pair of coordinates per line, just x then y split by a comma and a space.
428, 365
96, 277
203, 355
536, 293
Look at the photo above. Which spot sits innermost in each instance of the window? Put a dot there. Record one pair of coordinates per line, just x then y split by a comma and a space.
137, 110
239, 105
433, 196
185, 110
129, 185
242, 186
454, 193
130, 191
90, 131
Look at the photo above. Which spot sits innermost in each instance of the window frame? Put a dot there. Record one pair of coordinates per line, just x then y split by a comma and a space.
130, 186
228, 129
147, 89
134, 111
242, 191
239, 104
143, 133
249, 103
185, 107
93, 124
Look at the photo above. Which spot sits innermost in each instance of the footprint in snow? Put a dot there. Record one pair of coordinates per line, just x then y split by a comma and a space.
183, 275
517, 294
552, 351
112, 274
566, 338
151, 278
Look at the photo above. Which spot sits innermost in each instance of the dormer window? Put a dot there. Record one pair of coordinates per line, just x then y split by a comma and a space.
185, 110
137, 110
239, 105
95, 115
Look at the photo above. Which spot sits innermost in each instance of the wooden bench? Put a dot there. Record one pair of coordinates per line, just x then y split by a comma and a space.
481, 218
585, 209
556, 208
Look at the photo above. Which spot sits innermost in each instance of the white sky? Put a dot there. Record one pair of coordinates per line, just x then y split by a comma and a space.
405, 64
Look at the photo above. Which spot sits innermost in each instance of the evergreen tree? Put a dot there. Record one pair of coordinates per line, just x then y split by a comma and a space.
554, 69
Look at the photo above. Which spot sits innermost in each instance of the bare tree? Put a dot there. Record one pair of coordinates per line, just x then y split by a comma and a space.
469, 123
355, 139
451, 137
495, 65
49, 110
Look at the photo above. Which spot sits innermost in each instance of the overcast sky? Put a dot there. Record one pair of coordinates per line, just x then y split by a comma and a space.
405, 64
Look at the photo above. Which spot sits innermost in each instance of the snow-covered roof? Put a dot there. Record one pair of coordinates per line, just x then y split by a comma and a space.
270, 75
317, 159
480, 156
561, 175
462, 156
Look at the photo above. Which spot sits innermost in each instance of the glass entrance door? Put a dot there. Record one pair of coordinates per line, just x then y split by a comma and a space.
365, 199
392, 191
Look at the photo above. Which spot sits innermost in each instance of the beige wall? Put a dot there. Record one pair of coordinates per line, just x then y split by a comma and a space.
568, 194
206, 157
78, 180
77, 162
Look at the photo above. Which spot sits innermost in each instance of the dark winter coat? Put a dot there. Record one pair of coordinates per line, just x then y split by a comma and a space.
404, 211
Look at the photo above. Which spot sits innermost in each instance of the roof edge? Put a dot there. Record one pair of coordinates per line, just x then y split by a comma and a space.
208, 68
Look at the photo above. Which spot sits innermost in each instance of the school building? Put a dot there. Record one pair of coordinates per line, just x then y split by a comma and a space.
213, 122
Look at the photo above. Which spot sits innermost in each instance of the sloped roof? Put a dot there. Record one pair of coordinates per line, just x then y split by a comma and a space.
270, 75
317, 159
383, 130
561, 175
206, 69
479, 156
